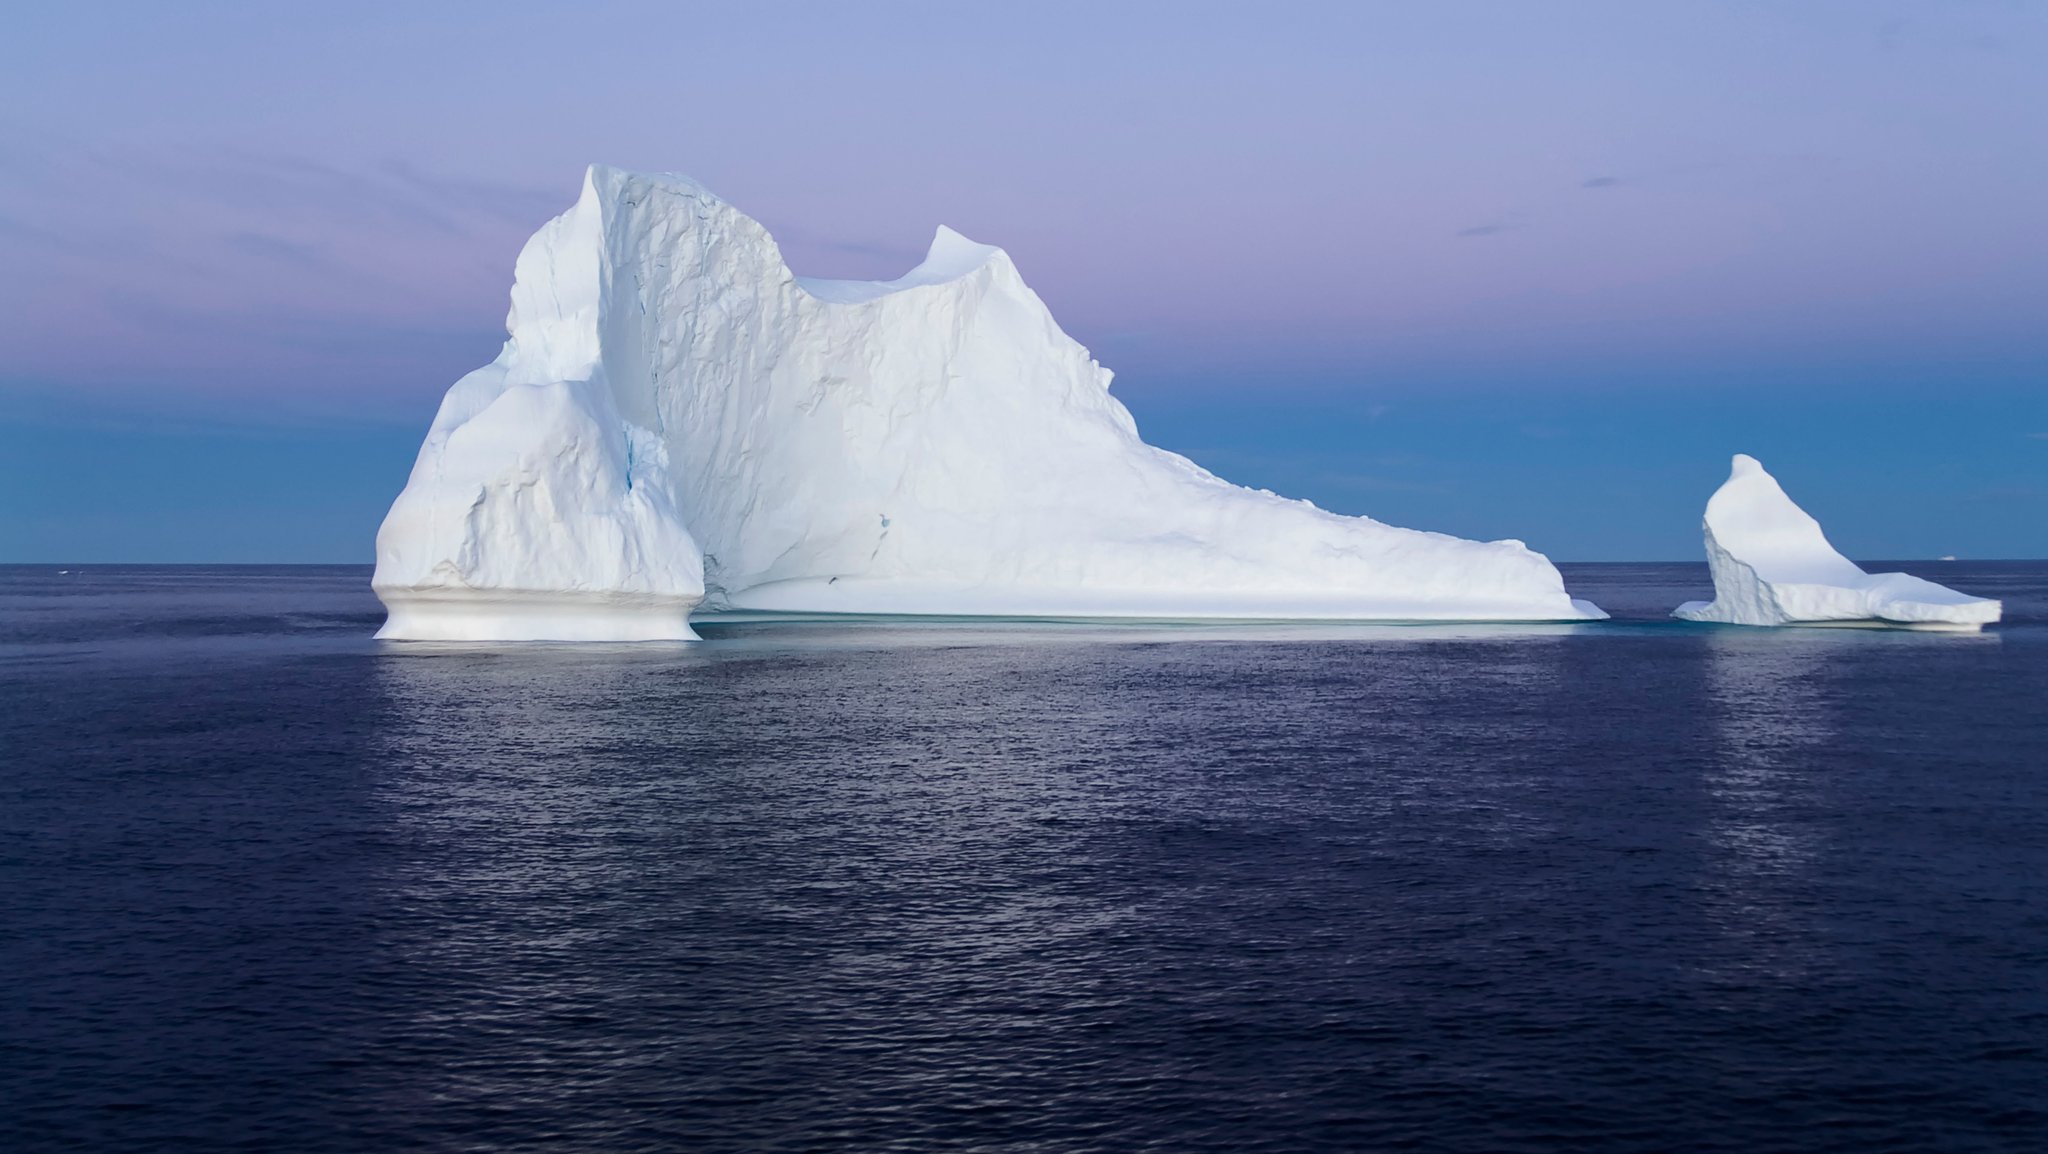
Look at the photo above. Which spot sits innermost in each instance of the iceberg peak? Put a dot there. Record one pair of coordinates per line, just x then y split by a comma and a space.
950, 258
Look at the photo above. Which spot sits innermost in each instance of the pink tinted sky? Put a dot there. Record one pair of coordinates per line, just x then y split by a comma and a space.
223, 196
1278, 222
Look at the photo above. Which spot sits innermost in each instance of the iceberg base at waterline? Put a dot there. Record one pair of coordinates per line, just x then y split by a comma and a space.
1772, 565
536, 516
677, 417
525, 615
863, 597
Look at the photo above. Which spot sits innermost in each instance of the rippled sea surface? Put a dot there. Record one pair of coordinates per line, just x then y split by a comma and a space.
266, 884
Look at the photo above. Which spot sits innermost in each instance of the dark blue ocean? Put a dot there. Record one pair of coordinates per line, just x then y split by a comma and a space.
266, 884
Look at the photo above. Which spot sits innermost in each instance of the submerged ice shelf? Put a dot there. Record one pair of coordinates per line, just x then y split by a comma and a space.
678, 422
1772, 565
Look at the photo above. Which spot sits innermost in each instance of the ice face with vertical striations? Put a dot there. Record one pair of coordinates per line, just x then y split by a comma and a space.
1772, 565
678, 417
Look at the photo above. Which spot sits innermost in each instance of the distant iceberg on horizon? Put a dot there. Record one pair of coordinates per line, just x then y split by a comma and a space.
1772, 565
679, 423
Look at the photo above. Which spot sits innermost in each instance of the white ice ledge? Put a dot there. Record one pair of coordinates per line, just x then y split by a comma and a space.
1772, 565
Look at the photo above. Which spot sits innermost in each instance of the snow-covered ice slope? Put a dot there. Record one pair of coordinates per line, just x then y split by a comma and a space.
1772, 565
932, 445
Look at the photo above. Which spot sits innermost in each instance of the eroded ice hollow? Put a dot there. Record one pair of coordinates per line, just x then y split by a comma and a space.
1772, 565
678, 423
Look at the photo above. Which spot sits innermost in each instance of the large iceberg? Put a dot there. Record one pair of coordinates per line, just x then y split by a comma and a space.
678, 418
1772, 565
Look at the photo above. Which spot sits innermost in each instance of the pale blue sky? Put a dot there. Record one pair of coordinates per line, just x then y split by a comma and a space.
1497, 269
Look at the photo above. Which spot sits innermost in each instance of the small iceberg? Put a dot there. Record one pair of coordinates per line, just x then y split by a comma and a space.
1772, 565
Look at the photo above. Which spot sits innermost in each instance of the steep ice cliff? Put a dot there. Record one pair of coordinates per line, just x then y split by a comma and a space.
677, 416
1772, 565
